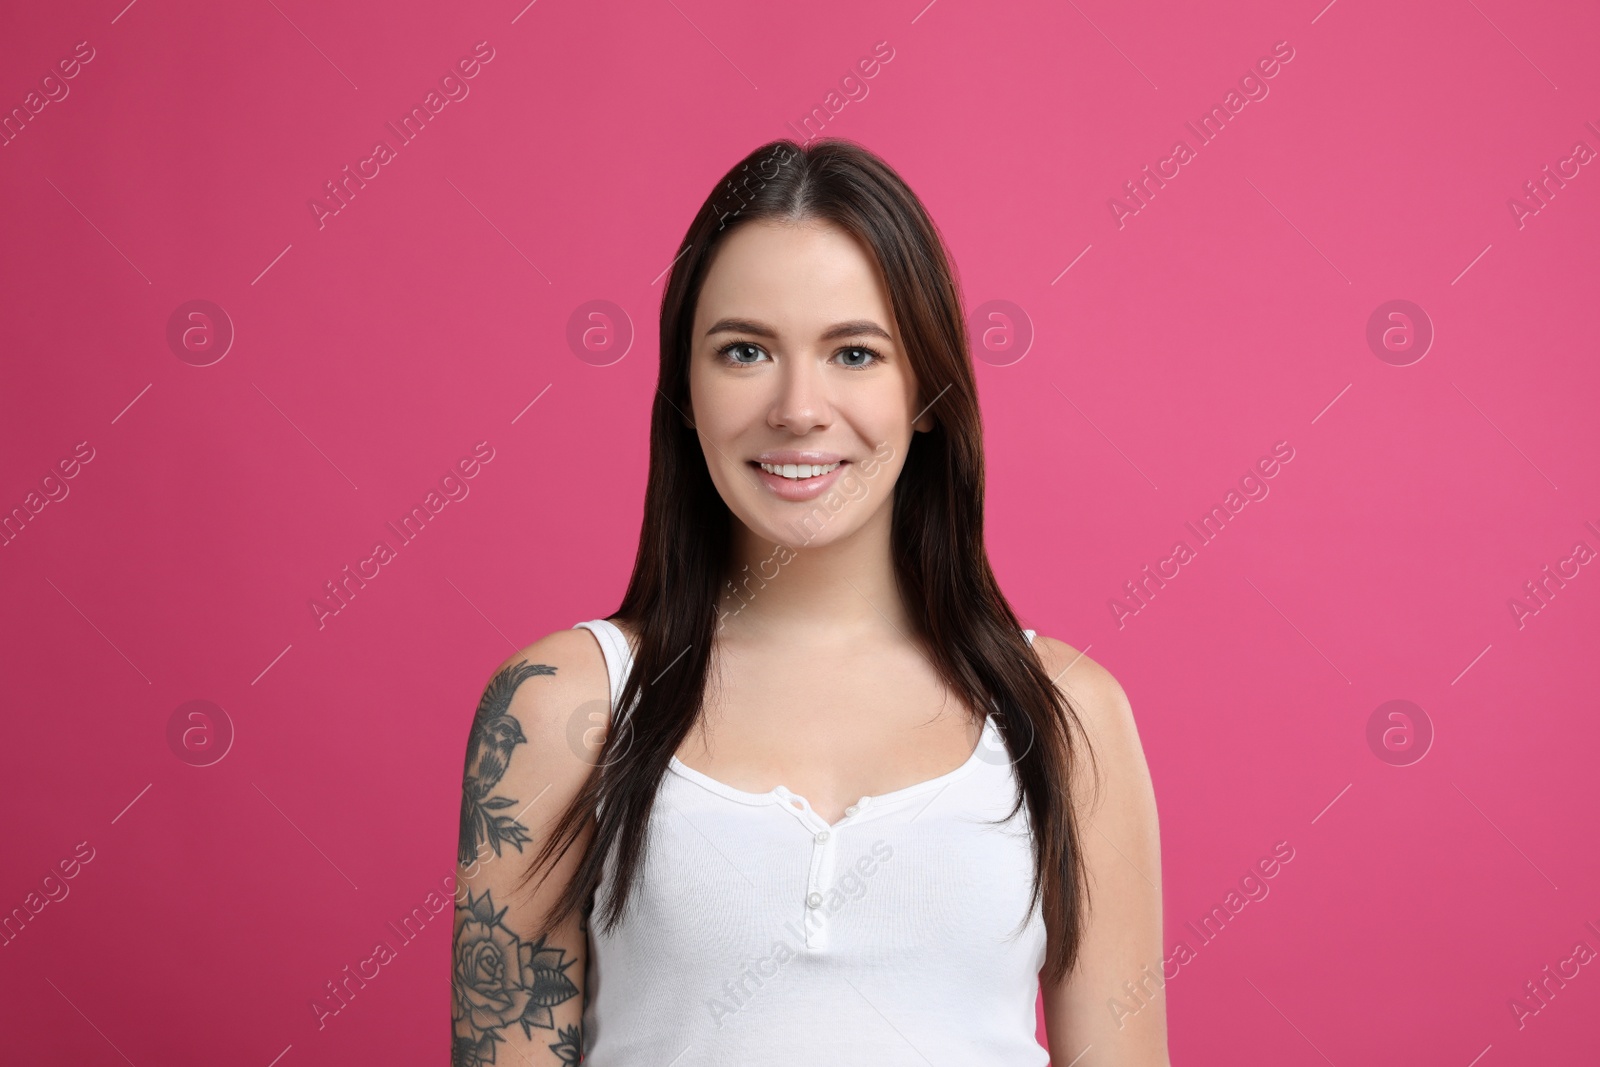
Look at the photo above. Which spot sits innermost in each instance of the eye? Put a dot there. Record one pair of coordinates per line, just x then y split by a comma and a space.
871, 356
730, 353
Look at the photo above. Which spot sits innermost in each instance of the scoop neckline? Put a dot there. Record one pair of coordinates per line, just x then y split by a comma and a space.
782, 792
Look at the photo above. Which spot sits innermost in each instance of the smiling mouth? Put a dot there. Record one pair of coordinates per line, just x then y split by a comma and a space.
797, 472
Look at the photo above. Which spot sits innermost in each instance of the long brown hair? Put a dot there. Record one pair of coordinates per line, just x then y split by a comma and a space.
966, 626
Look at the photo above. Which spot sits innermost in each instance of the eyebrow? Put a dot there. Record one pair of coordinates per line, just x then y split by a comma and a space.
855, 328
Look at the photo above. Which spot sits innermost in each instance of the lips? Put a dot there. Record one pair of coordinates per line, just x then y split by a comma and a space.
797, 455
784, 479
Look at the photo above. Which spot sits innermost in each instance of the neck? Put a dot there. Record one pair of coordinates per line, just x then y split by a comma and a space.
844, 587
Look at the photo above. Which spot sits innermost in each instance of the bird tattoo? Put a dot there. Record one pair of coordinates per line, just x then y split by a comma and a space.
494, 734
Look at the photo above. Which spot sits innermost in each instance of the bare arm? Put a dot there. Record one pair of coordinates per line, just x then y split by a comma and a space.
517, 991
1110, 1010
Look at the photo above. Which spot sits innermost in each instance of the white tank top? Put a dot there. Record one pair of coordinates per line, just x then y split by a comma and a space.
761, 936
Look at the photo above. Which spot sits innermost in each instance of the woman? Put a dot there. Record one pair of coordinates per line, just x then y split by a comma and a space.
855, 814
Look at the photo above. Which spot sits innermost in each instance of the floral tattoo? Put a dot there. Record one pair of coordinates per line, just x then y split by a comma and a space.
499, 980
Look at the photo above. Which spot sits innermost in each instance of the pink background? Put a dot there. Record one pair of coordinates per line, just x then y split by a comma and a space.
372, 353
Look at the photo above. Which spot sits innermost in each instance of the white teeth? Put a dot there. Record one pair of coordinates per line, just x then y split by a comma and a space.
798, 471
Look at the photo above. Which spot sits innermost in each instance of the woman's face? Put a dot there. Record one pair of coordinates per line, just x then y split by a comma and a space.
796, 363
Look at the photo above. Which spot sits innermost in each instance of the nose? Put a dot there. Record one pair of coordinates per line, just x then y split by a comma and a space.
802, 403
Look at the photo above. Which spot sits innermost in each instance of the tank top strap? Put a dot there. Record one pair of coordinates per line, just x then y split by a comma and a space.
614, 646
1029, 635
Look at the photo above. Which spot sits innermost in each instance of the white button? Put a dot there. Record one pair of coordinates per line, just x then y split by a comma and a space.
823, 835
851, 810
814, 900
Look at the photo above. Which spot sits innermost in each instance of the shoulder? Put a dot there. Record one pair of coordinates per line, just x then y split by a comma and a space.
1101, 704
530, 750
548, 684
1081, 678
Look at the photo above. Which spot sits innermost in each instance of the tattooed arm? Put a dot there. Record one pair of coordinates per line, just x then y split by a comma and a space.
517, 991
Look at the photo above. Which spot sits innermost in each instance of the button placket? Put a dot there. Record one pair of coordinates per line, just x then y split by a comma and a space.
820, 874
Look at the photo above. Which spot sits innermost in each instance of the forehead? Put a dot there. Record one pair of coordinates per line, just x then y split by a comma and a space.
799, 277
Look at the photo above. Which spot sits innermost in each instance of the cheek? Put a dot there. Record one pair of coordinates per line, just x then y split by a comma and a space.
724, 414
721, 410
881, 474
885, 415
